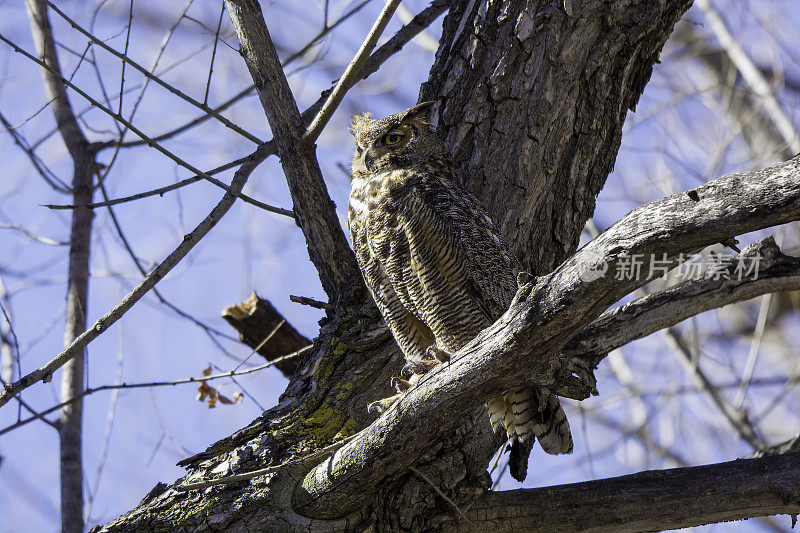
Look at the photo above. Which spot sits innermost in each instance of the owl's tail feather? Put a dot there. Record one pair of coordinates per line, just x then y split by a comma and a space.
518, 460
527, 413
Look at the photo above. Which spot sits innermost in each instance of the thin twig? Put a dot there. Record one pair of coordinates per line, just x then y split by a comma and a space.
122, 132
156, 79
152, 143
47, 175
213, 53
126, 244
125, 54
265, 471
188, 242
262, 343
151, 384
443, 495
755, 346
249, 90
351, 73
303, 300
736, 417
13, 334
33, 236
751, 75
263, 152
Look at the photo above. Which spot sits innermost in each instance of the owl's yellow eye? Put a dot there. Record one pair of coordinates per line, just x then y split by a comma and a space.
392, 138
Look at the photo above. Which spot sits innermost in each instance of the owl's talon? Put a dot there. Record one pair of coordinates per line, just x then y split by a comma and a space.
424, 366
380, 406
407, 371
400, 384
581, 369
434, 352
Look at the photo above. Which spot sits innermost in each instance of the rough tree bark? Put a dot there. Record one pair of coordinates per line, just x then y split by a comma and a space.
82, 154
533, 102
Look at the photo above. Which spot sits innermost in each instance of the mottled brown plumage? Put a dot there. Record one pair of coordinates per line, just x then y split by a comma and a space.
437, 267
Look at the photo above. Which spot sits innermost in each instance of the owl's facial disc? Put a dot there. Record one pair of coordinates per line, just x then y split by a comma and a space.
386, 147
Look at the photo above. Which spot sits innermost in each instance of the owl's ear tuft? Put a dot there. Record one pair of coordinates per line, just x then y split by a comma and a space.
357, 122
419, 112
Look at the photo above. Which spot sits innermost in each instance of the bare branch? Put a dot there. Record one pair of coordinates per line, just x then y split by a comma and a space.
31, 235
264, 151
253, 319
153, 144
648, 501
245, 92
213, 54
151, 384
54, 181
635, 320
158, 80
352, 71
305, 300
315, 214
752, 76
189, 241
70, 428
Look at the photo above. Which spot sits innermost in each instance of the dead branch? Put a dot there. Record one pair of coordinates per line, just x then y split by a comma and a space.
254, 318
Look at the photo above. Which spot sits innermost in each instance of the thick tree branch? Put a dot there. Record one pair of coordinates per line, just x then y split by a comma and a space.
314, 211
635, 320
647, 501
534, 98
525, 342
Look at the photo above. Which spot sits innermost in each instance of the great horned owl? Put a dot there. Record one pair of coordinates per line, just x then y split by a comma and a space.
436, 265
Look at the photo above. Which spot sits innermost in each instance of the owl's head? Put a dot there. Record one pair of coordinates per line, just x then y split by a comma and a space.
398, 141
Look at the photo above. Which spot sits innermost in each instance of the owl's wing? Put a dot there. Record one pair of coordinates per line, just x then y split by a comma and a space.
374, 244
460, 275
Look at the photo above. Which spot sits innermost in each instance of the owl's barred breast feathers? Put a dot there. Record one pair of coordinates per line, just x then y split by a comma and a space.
437, 267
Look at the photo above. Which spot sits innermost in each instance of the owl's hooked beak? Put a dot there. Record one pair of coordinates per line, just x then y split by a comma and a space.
368, 160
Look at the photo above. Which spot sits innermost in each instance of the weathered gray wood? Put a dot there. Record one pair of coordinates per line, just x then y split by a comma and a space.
647, 501
626, 323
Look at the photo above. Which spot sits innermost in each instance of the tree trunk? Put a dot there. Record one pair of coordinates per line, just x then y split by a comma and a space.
70, 421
